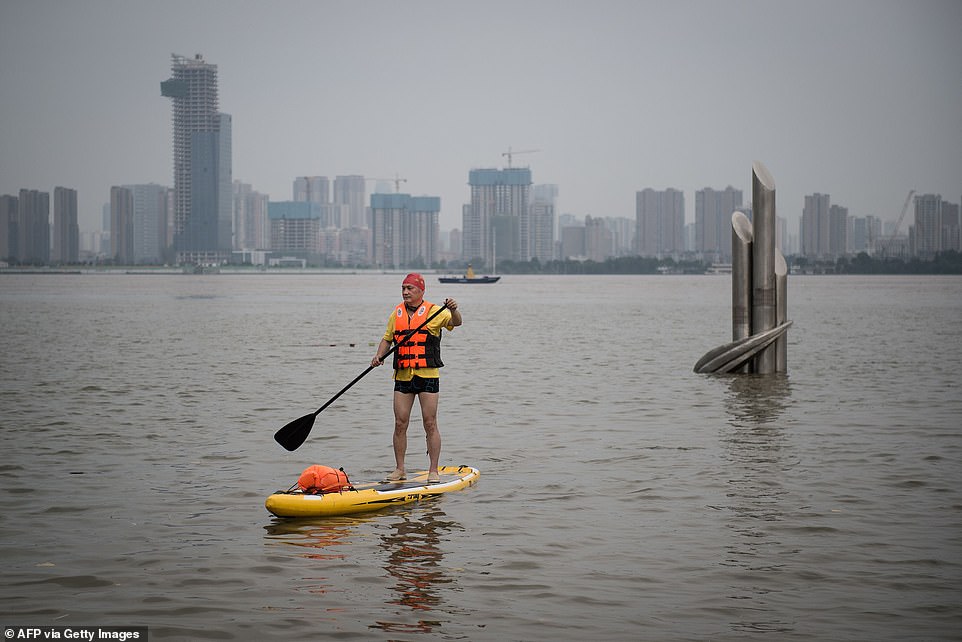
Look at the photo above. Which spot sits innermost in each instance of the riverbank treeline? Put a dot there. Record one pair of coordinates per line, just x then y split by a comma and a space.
614, 265
949, 262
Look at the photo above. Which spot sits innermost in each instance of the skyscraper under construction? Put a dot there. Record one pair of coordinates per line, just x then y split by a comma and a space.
202, 163
496, 222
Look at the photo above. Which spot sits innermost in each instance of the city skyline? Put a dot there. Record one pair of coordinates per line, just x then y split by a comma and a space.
616, 97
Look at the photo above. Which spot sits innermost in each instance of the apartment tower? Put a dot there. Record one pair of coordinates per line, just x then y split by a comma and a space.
66, 231
541, 219
497, 219
660, 222
927, 231
406, 231
713, 221
33, 228
815, 225
122, 225
350, 193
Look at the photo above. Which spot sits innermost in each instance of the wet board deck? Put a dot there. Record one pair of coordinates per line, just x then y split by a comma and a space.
371, 496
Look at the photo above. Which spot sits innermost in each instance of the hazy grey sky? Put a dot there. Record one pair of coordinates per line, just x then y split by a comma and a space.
860, 99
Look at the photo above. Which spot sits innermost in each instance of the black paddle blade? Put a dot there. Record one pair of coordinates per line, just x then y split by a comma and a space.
293, 434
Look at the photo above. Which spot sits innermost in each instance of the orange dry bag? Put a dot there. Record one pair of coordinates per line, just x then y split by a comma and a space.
316, 480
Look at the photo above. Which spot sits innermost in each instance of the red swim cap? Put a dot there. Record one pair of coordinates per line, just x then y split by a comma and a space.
414, 279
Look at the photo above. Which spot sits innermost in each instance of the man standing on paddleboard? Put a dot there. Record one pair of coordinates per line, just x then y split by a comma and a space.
416, 367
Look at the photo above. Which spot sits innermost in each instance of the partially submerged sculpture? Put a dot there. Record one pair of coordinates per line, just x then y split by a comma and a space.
759, 284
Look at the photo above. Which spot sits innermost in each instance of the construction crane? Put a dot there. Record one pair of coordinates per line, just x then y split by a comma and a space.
396, 180
905, 208
511, 153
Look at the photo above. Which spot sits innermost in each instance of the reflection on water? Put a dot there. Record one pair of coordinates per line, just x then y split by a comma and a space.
752, 447
414, 561
317, 536
324, 541
409, 542
757, 399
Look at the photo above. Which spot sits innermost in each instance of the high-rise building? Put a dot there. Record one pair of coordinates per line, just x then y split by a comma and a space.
496, 222
927, 231
405, 232
312, 189
122, 225
33, 227
623, 234
348, 205
202, 162
781, 233
599, 241
149, 231
351, 191
251, 225
574, 242
866, 232
454, 242
659, 222
713, 221
838, 241
295, 228
951, 239
824, 228
873, 227
354, 246
9, 208
568, 220
224, 169
541, 219
815, 226
66, 231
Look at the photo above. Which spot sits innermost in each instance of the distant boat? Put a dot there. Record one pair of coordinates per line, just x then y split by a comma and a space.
469, 277
464, 279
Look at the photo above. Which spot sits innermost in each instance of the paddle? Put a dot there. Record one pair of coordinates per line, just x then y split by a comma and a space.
293, 434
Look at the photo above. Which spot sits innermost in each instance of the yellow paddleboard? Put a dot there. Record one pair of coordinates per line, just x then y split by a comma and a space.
370, 496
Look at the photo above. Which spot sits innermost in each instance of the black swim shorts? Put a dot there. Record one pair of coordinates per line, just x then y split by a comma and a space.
418, 384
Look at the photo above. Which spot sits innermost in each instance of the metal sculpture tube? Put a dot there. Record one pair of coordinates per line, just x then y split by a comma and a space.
741, 280
781, 310
763, 262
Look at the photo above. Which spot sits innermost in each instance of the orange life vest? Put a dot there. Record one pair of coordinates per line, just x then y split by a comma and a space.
423, 349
